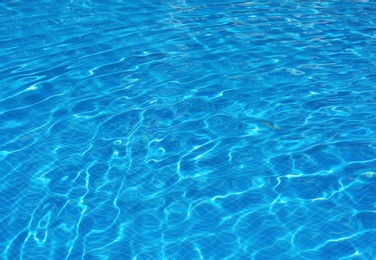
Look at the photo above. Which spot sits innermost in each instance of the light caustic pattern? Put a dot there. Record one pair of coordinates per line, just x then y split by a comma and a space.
187, 130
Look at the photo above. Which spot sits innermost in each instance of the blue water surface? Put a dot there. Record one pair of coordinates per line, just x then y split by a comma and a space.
187, 129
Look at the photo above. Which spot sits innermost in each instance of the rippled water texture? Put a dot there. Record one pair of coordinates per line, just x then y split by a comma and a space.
187, 129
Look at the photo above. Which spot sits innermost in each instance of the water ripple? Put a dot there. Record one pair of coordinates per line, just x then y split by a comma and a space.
187, 130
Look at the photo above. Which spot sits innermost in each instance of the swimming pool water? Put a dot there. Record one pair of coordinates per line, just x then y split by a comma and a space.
187, 129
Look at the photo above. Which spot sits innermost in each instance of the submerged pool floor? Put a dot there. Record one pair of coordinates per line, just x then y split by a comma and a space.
187, 129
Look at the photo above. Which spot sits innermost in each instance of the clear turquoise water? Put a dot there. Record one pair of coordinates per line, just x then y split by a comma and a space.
187, 130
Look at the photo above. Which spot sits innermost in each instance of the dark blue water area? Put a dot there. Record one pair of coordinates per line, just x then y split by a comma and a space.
187, 129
